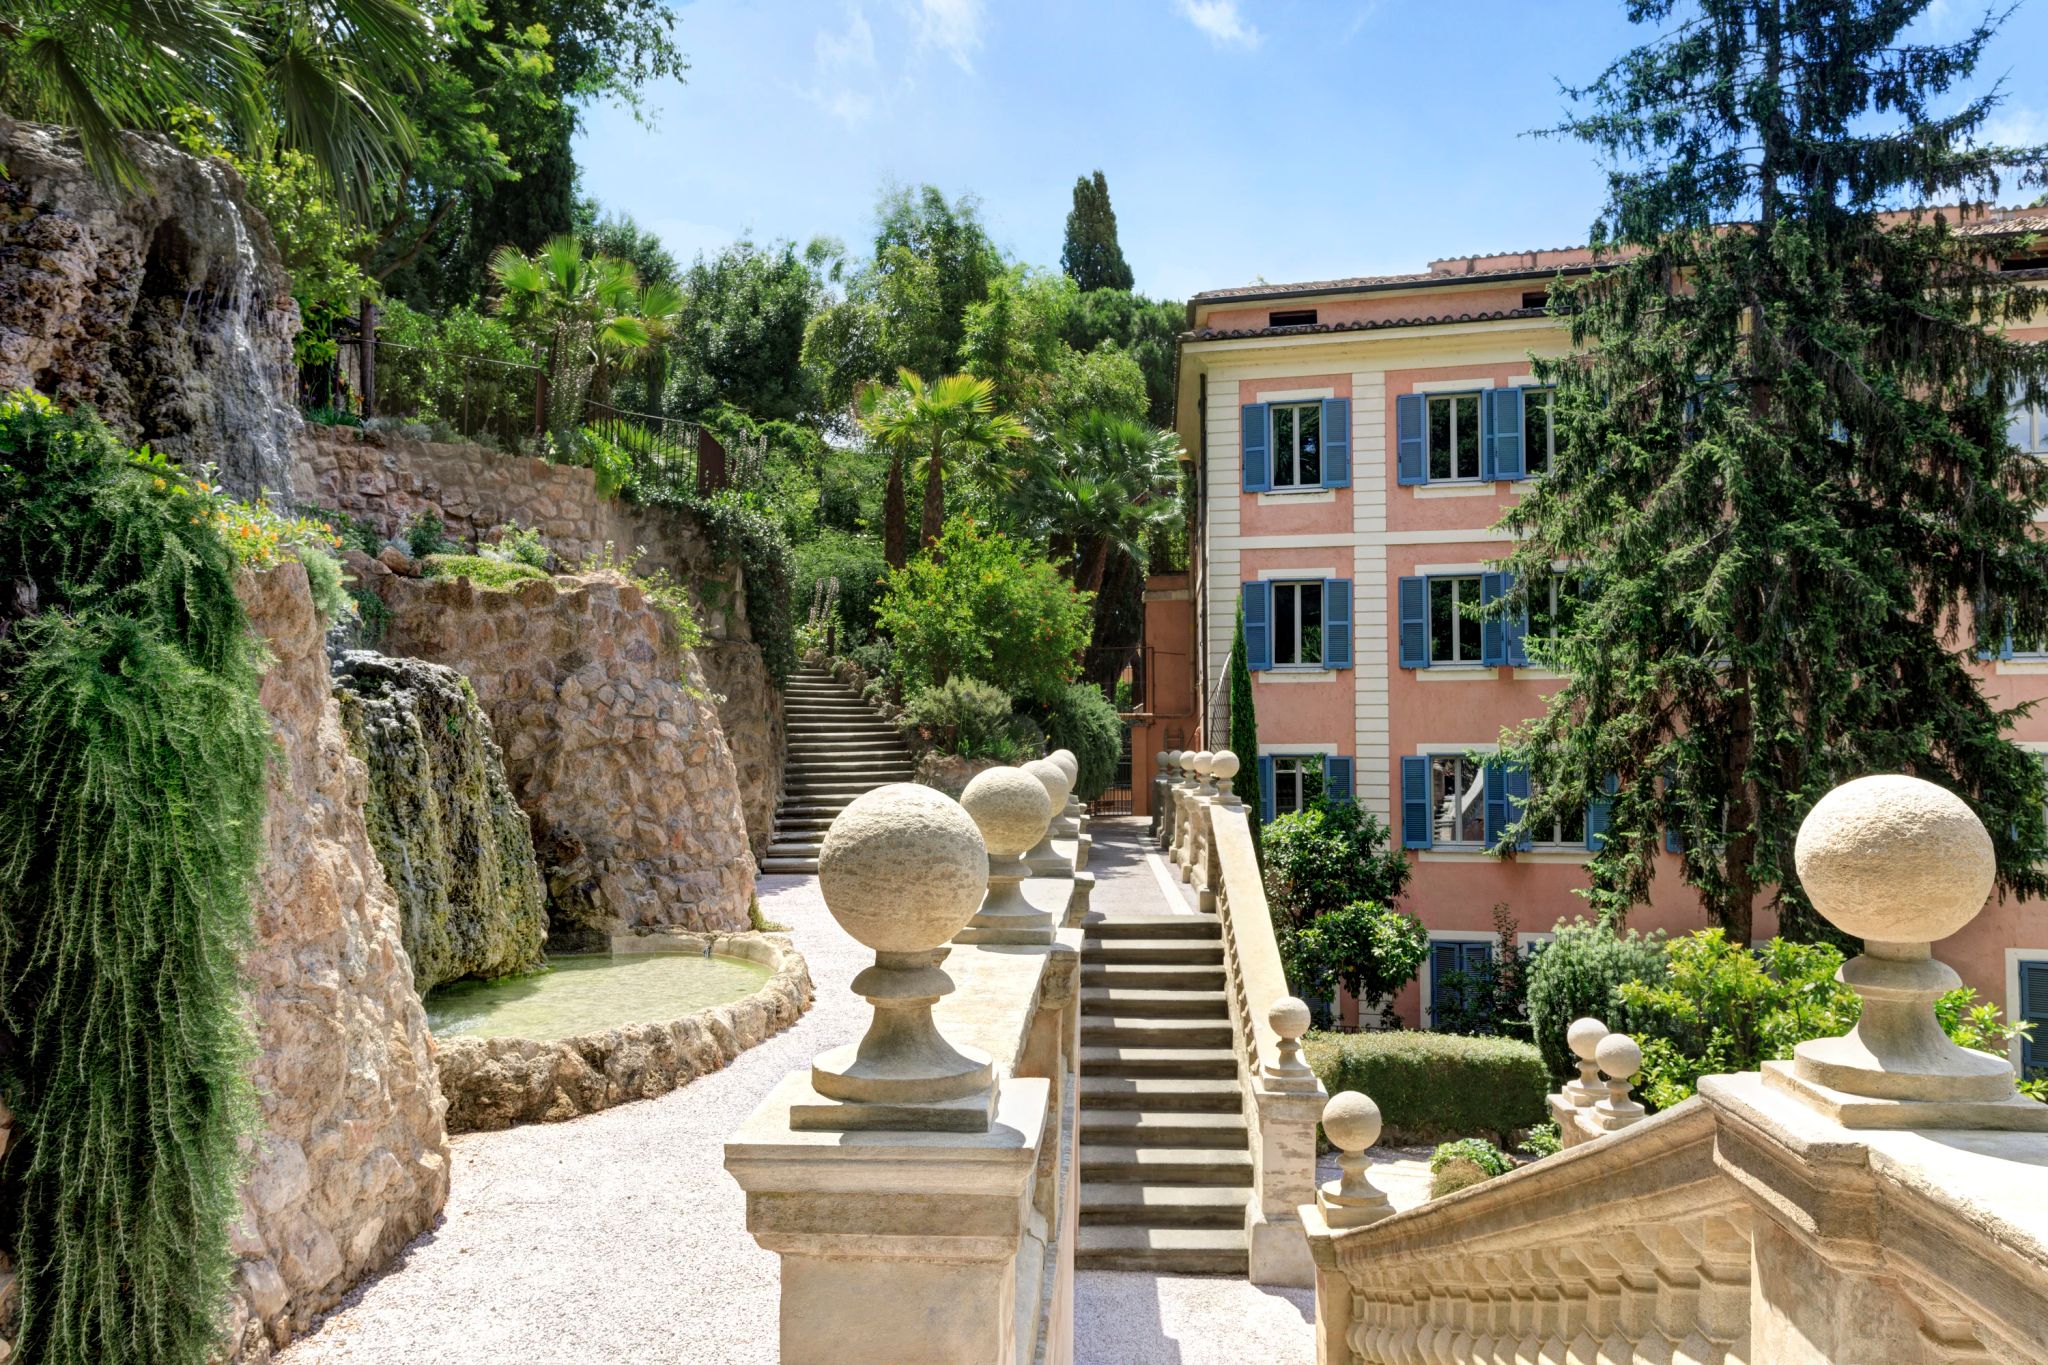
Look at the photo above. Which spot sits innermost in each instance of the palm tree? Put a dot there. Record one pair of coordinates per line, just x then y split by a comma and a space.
875, 408
1098, 487
954, 417
580, 313
326, 79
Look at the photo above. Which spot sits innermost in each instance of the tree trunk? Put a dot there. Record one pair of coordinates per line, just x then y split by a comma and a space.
1095, 565
934, 521
892, 515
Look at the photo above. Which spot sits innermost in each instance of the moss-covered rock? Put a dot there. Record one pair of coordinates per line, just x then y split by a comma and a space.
454, 844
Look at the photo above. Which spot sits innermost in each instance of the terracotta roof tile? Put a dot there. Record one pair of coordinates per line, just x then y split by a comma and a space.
1366, 325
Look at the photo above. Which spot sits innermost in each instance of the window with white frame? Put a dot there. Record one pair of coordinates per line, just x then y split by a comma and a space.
1297, 445
1297, 782
1567, 830
1454, 632
1552, 604
2028, 428
1457, 792
1539, 435
1453, 436
1298, 625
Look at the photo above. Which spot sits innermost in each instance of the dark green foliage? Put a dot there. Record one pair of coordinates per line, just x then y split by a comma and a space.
740, 532
1092, 257
483, 570
1431, 1087
1454, 1166
1148, 329
970, 719
1576, 976
1080, 718
1490, 999
740, 336
1783, 469
1323, 858
856, 562
425, 536
1244, 737
132, 768
1364, 947
353, 533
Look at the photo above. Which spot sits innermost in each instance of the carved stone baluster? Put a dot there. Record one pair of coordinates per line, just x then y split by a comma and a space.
1575, 1297
1724, 1285
1603, 1302
1636, 1319
1489, 1309
1678, 1298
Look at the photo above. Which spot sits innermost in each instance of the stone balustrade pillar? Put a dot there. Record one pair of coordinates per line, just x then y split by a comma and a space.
1352, 1123
1207, 864
1043, 859
1200, 792
1184, 791
1160, 761
1070, 821
1012, 809
1287, 1101
897, 1178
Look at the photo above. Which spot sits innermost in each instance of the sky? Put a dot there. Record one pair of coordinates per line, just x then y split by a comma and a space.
1243, 140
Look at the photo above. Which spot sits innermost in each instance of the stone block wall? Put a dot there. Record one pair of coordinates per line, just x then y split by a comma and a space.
385, 481
352, 1161
612, 744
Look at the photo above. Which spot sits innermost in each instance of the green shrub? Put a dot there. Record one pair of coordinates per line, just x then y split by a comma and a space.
1466, 1162
1543, 1140
980, 606
1576, 975
521, 545
1492, 997
349, 532
739, 531
483, 570
1435, 1086
442, 368
856, 561
1369, 949
1328, 856
969, 719
1080, 718
425, 535
133, 756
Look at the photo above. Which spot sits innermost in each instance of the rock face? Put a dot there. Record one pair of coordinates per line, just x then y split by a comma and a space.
385, 481
352, 1160
454, 844
611, 742
494, 1083
168, 310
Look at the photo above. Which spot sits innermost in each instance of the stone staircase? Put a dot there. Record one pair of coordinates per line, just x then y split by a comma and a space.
1166, 1165
839, 747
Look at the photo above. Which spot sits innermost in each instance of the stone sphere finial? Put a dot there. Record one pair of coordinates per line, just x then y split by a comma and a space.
1223, 765
902, 868
1352, 1121
1620, 1057
1201, 762
1289, 1019
1057, 783
1583, 1037
1011, 809
1161, 759
1173, 760
1893, 859
1065, 758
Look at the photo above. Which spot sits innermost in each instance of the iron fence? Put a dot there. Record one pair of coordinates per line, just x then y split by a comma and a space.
1118, 798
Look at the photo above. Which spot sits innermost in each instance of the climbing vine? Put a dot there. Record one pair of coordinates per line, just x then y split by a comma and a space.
132, 766
739, 531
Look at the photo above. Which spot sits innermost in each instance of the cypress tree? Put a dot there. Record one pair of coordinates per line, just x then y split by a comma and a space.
1244, 735
1784, 478
1091, 256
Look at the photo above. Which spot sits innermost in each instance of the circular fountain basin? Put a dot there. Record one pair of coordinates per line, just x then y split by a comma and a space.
664, 1007
588, 992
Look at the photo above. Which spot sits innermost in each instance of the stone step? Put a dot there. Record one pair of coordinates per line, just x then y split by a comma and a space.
1152, 976
1140, 1128
1161, 1206
1161, 1094
1176, 1063
828, 809
795, 848
1127, 1031
887, 745
1177, 1251
1152, 926
808, 788
790, 866
1153, 951
825, 765
1152, 1004
1165, 1165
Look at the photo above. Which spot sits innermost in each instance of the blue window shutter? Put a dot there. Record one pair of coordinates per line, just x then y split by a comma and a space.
1412, 601
1445, 959
1504, 433
1336, 623
1337, 781
1494, 776
1266, 788
1516, 628
2034, 1006
1410, 464
1258, 630
1415, 821
1600, 815
1493, 635
1256, 447
1518, 800
1336, 443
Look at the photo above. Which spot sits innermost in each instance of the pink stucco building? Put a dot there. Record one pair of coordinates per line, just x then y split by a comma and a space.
1355, 440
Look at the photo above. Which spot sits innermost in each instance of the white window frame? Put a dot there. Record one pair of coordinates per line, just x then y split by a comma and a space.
1295, 759
2030, 426
1477, 791
1544, 396
1322, 626
1293, 483
1555, 844
1429, 402
1459, 621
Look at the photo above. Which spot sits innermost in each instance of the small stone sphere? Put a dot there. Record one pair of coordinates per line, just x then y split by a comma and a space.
1065, 758
1289, 1017
1057, 783
1176, 759
1894, 859
1351, 1121
1161, 759
903, 868
1201, 761
1619, 1057
1584, 1036
1223, 764
1010, 808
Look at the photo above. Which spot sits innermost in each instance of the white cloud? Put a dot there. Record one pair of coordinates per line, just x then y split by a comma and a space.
1221, 21
853, 49
2015, 126
951, 26
846, 69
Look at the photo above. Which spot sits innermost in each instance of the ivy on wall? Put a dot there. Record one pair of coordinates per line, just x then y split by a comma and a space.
739, 531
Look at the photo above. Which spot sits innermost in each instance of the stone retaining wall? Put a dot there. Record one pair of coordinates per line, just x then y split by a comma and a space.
611, 744
385, 481
495, 1083
352, 1160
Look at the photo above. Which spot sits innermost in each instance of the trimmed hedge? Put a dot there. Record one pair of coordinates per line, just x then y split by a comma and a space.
1433, 1087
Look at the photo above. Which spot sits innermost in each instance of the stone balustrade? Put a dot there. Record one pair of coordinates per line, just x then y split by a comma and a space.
1879, 1197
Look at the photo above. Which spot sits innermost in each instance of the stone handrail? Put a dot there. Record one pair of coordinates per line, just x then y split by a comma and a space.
1251, 953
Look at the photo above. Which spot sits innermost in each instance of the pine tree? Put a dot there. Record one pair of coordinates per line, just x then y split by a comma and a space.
1244, 735
1784, 481
1091, 255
